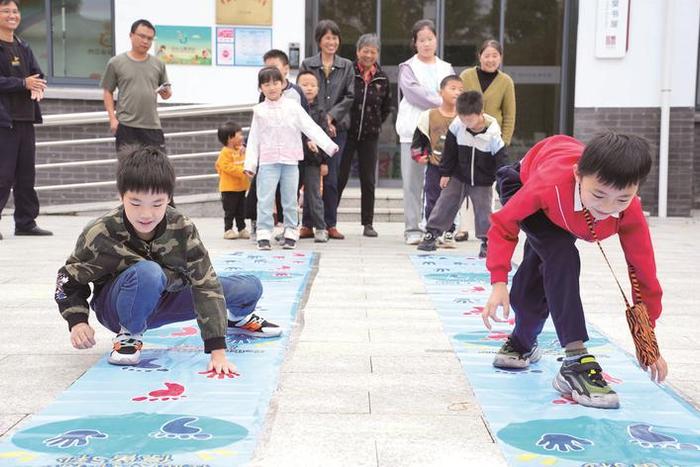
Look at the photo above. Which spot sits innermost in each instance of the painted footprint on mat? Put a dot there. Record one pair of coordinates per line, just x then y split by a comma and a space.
172, 392
73, 438
182, 429
585, 438
146, 365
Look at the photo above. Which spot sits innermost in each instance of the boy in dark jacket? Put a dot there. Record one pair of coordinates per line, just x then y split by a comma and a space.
315, 163
370, 108
474, 150
149, 268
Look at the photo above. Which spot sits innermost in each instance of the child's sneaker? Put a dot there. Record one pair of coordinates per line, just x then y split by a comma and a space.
243, 234
448, 240
483, 250
289, 244
582, 380
508, 357
428, 243
231, 234
126, 350
254, 325
264, 245
321, 236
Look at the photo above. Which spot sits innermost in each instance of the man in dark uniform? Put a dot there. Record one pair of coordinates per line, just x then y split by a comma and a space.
21, 88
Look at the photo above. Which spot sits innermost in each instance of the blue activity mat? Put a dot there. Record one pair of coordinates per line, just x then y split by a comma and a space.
167, 410
533, 424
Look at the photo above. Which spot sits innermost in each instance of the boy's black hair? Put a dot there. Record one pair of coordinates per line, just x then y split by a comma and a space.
7, 2
448, 79
306, 72
142, 22
616, 159
470, 103
145, 169
228, 130
325, 26
276, 53
269, 73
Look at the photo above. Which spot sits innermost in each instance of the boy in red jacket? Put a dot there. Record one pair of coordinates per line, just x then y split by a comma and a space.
546, 195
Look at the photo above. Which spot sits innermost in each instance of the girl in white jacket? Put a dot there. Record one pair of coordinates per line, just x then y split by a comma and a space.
274, 150
419, 84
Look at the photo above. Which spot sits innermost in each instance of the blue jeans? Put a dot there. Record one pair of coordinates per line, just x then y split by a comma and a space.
137, 300
269, 175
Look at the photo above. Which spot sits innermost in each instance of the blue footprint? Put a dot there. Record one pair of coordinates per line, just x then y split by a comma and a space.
181, 429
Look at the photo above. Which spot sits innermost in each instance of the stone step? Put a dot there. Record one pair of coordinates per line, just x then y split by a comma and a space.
388, 206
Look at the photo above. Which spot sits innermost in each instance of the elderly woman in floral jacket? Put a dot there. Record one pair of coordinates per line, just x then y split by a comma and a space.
371, 107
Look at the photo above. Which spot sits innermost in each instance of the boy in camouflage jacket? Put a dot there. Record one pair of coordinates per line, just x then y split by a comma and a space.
149, 268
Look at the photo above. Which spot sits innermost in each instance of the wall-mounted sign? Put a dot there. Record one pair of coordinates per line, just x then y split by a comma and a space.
245, 12
225, 46
251, 45
612, 28
183, 45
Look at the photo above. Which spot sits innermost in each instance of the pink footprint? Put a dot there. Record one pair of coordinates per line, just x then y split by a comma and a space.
173, 392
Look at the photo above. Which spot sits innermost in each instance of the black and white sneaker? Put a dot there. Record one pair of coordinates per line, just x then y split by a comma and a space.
126, 349
483, 249
582, 380
264, 245
254, 325
289, 244
509, 357
429, 242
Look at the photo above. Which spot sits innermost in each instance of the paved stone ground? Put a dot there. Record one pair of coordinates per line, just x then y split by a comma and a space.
371, 378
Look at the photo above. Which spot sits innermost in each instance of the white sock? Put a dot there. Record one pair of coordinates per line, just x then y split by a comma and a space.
238, 319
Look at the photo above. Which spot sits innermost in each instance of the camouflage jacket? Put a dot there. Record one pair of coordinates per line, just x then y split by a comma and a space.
109, 245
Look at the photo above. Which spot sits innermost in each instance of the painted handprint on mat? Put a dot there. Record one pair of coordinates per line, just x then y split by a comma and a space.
212, 374
186, 331
172, 392
562, 442
74, 438
182, 429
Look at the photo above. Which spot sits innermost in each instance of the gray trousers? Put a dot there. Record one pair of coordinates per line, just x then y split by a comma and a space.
450, 200
313, 203
412, 175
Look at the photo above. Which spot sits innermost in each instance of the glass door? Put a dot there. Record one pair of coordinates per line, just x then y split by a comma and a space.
535, 38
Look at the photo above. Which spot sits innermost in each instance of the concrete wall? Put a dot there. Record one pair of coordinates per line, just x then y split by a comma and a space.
624, 94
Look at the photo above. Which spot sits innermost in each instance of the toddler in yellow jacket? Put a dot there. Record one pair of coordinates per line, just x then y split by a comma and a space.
233, 184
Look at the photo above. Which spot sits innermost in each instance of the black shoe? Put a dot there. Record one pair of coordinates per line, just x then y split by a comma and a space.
369, 231
289, 244
462, 237
583, 381
264, 245
483, 250
34, 231
428, 243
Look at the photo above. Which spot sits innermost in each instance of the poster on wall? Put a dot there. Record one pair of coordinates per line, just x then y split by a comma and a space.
225, 43
612, 28
183, 45
244, 12
251, 45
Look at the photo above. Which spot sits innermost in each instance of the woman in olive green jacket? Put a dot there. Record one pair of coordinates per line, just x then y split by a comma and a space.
496, 86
